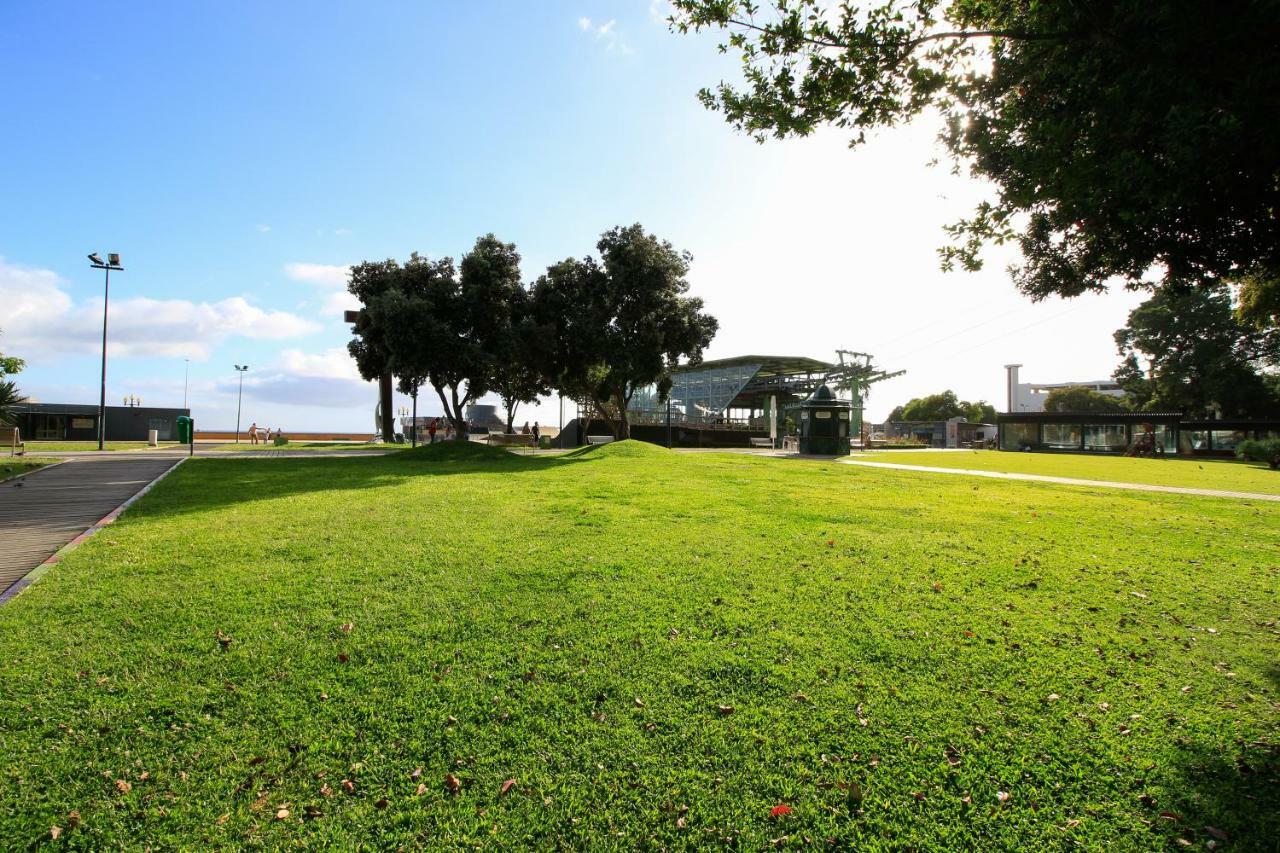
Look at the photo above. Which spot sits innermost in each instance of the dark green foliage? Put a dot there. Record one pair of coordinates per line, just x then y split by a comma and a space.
1261, 450
9, 393
942, 407
623, 322
1124, 140
1078, 398
1199, 357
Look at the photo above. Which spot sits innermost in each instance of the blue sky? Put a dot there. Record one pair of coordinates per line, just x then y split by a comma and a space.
238, 155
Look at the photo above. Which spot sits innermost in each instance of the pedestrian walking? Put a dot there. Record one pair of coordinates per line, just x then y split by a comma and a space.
431, 430
253, 433
536, 433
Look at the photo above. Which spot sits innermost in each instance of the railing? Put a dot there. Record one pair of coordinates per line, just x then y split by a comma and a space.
658, 417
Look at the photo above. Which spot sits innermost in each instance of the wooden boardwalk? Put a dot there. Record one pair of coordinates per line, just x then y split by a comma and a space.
55, 505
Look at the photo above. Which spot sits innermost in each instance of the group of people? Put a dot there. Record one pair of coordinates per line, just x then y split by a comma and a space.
447, 434
262, 434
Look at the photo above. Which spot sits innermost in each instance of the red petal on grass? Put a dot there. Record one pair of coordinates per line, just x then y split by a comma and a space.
780, 810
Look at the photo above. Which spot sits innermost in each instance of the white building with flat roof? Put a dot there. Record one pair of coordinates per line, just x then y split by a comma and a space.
1030, 396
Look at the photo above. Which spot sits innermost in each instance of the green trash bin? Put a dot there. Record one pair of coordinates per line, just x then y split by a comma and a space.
186, 429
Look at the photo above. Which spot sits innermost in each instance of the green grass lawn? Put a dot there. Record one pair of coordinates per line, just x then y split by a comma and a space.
16, 466
62, 446
1196, 472
312, 445
660, 650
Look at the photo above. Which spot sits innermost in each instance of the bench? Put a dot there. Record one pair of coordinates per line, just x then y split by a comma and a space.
766, 443
599, 439
11, 438
509, 439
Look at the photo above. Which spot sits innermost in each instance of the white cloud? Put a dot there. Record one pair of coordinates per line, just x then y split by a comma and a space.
37, 315
660, 10
326, 379
333, 279
606, 33
263, 229
337, 302
329, 275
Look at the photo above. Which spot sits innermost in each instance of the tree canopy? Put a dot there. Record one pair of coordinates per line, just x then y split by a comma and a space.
1124, 141
621, 323
1078, 398
1199, 357
9, 393
944, 407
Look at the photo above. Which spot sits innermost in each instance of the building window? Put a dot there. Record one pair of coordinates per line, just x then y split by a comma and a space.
1226, 439
1018, 436
1192, 440
1104, 437
1062, 436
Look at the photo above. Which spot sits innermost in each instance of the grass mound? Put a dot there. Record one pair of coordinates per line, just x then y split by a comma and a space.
456, 451
628, 449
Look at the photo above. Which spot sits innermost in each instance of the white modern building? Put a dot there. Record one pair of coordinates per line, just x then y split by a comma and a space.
1030, 396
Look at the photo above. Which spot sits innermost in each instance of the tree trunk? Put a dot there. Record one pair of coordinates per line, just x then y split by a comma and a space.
384, 399
624, 426
511, 415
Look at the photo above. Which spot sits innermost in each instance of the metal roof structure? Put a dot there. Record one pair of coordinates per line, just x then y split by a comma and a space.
711, 388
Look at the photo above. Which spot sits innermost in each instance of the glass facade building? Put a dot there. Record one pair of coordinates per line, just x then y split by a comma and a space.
1118, 432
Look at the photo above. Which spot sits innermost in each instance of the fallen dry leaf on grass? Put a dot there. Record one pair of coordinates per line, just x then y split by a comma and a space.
348, 786
123, 786
55, 832
506, 787
346, 627
282, 814
452, 784
725, 710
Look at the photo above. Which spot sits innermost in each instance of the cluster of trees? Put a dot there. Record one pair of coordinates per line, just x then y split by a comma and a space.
596, 329
9, 393
1121, 143
943, 407
1188, 350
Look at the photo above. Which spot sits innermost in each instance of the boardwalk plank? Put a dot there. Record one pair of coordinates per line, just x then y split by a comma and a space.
54, 505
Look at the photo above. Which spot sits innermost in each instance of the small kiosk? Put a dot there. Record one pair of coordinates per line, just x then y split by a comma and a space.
824, 424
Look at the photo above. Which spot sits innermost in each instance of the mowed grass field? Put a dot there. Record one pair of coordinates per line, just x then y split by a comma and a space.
1194, 472
65, 446
16, 466
635, 649
310, 445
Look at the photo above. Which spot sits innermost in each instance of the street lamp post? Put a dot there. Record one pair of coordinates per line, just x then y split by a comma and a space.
186, 374
240, 368
112, 263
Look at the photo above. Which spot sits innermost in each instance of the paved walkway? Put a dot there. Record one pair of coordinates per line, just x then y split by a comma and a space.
1068, 481
44, 510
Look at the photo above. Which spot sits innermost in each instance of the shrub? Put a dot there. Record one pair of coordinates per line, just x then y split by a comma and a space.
1266, 450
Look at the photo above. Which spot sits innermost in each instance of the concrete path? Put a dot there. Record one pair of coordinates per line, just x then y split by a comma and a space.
42, 511
1068, 481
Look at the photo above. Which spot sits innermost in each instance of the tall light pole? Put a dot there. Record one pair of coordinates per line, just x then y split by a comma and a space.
240, 368
112, 263
186, 374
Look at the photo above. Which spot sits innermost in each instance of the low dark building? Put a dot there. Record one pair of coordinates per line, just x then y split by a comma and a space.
1123, 432
72, 422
